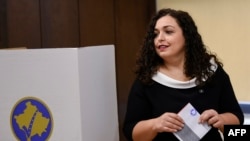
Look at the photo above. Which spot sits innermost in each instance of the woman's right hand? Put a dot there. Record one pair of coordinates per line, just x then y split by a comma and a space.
168, 122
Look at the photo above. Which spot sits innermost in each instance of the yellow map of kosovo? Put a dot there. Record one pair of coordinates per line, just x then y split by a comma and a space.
31, 121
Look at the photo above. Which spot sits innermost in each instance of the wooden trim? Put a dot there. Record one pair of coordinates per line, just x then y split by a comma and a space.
3, 24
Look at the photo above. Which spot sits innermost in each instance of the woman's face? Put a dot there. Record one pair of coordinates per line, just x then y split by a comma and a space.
169, 40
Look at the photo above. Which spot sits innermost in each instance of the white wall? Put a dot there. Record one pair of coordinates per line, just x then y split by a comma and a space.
225, 28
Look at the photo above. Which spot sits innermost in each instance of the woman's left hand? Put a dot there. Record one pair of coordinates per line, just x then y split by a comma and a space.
212, 118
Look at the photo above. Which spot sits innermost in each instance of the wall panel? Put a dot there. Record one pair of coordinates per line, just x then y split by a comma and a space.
3, 24
97, 25
131, 18
59, 23
23, 23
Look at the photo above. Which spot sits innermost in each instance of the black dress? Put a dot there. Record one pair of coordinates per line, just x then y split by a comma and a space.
169, 95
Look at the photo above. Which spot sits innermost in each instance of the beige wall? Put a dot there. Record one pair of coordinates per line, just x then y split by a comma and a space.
225, 28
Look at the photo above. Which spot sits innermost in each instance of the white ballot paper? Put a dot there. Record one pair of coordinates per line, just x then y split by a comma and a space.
193, 130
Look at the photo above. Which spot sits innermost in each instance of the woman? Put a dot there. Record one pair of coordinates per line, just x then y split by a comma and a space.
174, 68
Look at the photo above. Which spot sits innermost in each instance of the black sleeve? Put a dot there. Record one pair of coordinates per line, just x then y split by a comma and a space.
138, 108
229, 102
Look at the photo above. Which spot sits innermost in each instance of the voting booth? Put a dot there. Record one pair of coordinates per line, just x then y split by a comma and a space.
59, 94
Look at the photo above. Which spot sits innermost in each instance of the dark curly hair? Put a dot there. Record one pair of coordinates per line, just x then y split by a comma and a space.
197, 62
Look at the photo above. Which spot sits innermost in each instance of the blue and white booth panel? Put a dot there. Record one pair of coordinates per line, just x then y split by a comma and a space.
245, 106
